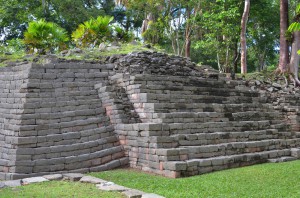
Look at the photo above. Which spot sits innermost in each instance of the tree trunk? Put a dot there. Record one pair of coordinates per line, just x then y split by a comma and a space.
188, 35
236, 57
284, 48
294, 63
243, 37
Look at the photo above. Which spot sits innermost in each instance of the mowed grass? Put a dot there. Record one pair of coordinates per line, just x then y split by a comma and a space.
57, 189
265, 180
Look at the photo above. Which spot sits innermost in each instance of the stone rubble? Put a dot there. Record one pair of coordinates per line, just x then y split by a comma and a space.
100, 184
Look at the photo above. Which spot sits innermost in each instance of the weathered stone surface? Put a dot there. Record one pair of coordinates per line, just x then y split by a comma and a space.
295, 152
2, 185
93, 180
33, 180
73, 176
133, 193
148, 110
53, 177
12, 183
151, 195
110, 186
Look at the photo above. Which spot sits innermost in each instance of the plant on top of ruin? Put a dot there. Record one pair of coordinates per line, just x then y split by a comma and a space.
93, 32
45, 37
122, 35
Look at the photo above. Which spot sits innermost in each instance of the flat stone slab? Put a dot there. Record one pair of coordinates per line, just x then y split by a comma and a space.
12, 183
93, 180
295, 152
73, 176
133, 193
151, 195
2, 185
110, 186
33, 180
53, 177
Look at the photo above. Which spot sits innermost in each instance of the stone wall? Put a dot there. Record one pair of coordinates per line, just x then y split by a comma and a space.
148, 110
12, 100
53, 121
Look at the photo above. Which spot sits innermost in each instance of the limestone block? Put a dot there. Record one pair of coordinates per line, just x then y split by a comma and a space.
53, 177
110, 186
72, 176
295, 152
31, 180
93, 180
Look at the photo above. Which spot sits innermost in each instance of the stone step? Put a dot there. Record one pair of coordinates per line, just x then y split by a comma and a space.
177, 80
201, 166
168, 107
176, 117
282, 159
234, 148
191, 90
254, 115
199, 139
211, 127
181, 98
183, 117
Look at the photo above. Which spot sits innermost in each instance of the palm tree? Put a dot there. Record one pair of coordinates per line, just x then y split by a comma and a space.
93, 32
45, 36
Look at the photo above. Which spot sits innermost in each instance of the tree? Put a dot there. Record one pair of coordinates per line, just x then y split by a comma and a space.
262, 35
243, 37
284, 47
294, 62
218, 34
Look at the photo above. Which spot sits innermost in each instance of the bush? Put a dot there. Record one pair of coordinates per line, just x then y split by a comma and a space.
93, 32
122, 35
45, 36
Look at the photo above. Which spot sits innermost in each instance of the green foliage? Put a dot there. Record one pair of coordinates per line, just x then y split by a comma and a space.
53, 189
93, 32
155, 33
295, 26
16, 14
15, 46
45, 36
218, 31
122, 35
267, 180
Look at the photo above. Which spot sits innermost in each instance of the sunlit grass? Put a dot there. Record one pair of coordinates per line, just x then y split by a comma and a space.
267, 180
57, 189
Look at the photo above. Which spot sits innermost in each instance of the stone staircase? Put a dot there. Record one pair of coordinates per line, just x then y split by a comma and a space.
190, 125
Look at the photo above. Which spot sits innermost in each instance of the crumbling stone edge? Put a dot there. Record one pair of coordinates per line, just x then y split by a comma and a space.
74, 177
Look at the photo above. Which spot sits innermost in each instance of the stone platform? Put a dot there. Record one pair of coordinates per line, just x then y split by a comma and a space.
154, 112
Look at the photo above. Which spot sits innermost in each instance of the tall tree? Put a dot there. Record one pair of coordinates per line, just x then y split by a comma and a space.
243, 37
284, 47
263, 35
294, 62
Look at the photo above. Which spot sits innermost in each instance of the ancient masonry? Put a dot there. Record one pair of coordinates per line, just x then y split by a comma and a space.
154, 112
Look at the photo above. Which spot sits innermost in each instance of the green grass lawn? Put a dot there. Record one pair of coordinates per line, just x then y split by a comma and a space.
266, 180
57, 189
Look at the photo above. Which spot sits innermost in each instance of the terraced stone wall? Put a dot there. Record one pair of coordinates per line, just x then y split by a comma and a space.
51, 120
12, 99
148, 110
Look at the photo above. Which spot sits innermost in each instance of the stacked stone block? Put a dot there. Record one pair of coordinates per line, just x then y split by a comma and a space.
76, 116
61, 124
193, 126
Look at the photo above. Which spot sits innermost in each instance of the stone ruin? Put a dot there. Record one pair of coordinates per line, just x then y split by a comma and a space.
147, 110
